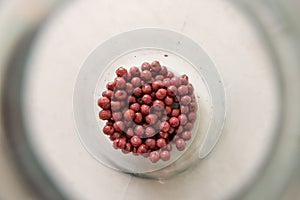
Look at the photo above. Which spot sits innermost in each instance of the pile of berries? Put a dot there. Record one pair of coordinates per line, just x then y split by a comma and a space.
147, 110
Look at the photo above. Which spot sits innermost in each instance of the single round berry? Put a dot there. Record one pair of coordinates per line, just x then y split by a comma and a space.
151, 143
111, 85
147, 99
192, 116
154, 156
120, 83
174, 122
145, 66
161, 93
136, 81
184, 79
130, 132
105, 114
149, 132
186, 135
121, 71
108, 130
176, 81
146, 75
157, 84
188, 126
137, 92
138, 118
121, 94
136, 141
145, 109
155, 66
117, 116
182, 90
161, 142
146, 88
184, 109
180, 144
183, 119
142, 149
166, 82
159, 77
164, 126
129, 88
139, 130
175, 112
165, 155
135, 107
134, 71
168, 100
186, 100
108, 94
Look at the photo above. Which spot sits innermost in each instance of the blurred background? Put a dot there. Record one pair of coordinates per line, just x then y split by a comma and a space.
255, 46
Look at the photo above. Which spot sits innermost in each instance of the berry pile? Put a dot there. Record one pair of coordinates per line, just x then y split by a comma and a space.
147, 110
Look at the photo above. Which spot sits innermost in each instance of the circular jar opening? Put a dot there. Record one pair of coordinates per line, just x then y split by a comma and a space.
177, 54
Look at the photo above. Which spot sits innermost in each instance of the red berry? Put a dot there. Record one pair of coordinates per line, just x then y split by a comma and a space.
138, 118
150, 143
161, 93
104, 103
146, 88
135, 107
108, 130
105, 114
154, 156
134, 71
136, 141
174, 122
147, 99
145, 109
129, 115
121, 71
161, 142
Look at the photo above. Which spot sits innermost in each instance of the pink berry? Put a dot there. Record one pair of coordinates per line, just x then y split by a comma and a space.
180, 144
154, 156
165, 155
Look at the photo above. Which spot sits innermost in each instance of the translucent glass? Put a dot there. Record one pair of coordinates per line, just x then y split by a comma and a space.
172, 50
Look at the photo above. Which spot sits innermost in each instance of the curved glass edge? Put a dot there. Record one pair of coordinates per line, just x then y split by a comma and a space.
22, 23
280, 34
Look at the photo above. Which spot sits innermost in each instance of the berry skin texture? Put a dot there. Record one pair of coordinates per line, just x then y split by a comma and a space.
147, 110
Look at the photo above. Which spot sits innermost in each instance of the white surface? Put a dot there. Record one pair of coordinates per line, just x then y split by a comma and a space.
219, 29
